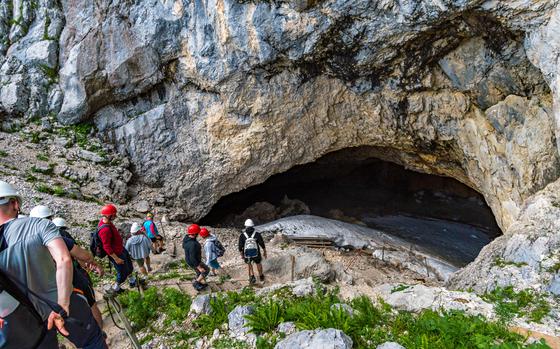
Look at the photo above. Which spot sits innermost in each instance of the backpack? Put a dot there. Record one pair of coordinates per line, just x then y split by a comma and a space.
251, 248
219, 248
28, 329
95, 243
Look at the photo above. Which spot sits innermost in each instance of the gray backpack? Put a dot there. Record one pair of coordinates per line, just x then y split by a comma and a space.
251, 248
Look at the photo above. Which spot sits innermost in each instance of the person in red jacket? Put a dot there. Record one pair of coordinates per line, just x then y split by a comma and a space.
113, 245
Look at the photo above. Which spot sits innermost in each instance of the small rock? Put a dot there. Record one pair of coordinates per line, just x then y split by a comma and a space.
90, 156
329, 338
142, 206
287, 328
390, 345
216, 334
201, 305
46, 124
62, 141
303, 288
237, 321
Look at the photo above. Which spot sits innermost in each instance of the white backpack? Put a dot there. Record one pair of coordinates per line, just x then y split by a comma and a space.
251, 248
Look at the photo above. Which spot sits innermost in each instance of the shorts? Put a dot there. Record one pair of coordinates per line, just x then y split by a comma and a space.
256, 260
157, 238
198, 272
140, 262
214, 264
83, 282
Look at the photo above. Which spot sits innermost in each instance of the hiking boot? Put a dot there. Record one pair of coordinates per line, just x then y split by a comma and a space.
252, 279
261, 277
132, 282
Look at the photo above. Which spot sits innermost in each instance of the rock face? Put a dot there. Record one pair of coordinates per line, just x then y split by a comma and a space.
209, 98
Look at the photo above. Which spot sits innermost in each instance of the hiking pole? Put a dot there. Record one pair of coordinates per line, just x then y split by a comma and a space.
111, 301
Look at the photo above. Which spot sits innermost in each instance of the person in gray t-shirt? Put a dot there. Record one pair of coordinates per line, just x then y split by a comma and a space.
35, 256
27, 260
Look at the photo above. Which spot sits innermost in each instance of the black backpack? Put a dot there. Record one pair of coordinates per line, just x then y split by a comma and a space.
95, 243
219, 248
23, 327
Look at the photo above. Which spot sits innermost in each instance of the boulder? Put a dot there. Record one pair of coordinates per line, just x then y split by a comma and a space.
237, 321
200, 305
418, 297
90, 156
318, 339
307, 263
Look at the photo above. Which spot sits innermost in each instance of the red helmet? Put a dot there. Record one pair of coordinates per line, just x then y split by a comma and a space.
109, 210
193, 229
204, 233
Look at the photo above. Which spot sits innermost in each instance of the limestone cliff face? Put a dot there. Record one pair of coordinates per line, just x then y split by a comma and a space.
210, 97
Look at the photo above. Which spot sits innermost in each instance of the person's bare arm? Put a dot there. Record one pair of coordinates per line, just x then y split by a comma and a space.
82, 255
63, 261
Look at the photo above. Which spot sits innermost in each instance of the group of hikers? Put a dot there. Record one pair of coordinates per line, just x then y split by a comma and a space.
249, 246
45, 287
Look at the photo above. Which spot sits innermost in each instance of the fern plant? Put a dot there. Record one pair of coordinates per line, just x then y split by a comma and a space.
265, 318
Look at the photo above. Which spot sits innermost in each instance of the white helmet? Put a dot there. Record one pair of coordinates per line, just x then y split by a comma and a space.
7, 191
41, 211
135, 228
59, 222
249, 223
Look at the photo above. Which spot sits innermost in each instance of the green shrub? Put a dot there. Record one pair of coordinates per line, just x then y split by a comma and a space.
509, 304
371, 325
42, 157
176, 305
142, 311
266, 317
3, 153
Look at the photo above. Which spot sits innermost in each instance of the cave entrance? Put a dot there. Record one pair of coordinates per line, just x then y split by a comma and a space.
437, 213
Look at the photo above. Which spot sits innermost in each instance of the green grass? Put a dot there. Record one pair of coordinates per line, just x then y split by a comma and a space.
170, 302
555, 268
509, 304
399, 288
42, 157
372, 324
500, 262
221, 305
50, 73
3, 153
30, 178
35, 137
55, 190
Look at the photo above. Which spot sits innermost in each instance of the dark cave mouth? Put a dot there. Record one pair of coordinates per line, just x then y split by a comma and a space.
438, 213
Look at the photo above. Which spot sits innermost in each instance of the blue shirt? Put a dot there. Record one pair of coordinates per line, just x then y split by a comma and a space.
151, 229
